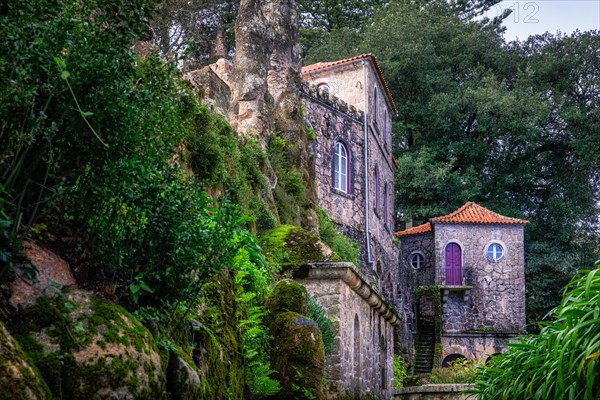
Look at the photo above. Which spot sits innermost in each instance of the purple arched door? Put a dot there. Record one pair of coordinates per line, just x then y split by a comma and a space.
453, 265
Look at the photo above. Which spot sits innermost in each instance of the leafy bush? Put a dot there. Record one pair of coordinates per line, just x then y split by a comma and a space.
459, 371
317, 314
343, 246
401, 375
562, 361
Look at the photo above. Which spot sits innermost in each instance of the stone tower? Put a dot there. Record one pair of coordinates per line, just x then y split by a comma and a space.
470, 283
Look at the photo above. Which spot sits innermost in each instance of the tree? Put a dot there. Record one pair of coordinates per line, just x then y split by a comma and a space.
514, 127
187, 30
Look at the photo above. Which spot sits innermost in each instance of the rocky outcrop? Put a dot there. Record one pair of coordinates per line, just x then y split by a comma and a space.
289, 245
297, 356
18, 378
86, 347
42, 273
265, 86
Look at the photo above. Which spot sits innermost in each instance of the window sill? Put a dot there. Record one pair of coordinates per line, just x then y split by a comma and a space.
342, 193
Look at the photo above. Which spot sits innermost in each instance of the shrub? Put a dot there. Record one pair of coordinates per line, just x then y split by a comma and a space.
562, 361
401, 375
343, 246
459, 371
317, 313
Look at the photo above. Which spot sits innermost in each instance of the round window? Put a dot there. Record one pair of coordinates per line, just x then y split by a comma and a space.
417, 261
495, 251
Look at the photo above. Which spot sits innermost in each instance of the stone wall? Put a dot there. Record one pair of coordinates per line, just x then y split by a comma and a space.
497, 299
362, 361
476, 345
434, 392
424, 245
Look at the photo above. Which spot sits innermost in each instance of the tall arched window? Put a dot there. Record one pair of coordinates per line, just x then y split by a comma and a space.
385, 127
375, 105
385, 203
376, 189
341, 176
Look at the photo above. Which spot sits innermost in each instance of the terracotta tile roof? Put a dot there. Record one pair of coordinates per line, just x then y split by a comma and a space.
472, 213
323, 65
415, 230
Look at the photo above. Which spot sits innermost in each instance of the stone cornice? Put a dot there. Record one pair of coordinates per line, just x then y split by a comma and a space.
347, 273
331, 101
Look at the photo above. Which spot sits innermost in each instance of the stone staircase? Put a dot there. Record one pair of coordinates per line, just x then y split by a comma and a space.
425, 347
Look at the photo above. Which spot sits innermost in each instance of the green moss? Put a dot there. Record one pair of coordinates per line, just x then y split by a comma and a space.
287, 295
19, 378
289, 245
298, 356
218, 351
75, 322
340, 244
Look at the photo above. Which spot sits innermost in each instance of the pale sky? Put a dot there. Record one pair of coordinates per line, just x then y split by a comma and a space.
538, 16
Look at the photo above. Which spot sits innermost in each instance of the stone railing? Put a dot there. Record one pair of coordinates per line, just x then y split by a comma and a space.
347, 273
330, 100
434, 392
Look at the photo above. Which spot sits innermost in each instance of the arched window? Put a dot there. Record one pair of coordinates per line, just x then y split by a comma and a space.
385, 203
375, 105
323, 87
385, 128
376, 188
341, 176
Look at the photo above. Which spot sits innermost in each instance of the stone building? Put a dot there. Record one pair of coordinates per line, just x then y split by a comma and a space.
470, 284
349, 106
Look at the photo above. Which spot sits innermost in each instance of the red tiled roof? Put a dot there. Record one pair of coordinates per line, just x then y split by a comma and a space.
323, 65
415, 230
472, 213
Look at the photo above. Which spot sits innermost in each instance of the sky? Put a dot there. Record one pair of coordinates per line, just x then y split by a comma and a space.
538, 16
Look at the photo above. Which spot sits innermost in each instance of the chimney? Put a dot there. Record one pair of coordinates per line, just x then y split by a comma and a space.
219, 47
409, 223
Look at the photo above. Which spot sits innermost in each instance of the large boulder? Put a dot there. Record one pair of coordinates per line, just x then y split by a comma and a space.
298, 356
289, 245
287, 295
18, 378
218, 347
183, 378
89, 348
40, 274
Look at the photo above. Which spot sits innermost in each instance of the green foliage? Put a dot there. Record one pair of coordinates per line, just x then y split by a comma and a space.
459, 371
401, 375
288, 246
252, 280
340, 244
317, 313
562, 361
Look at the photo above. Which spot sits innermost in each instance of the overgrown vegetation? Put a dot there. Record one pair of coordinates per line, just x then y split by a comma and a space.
317, 313
401, 375
459, 371
342, 245
562, 361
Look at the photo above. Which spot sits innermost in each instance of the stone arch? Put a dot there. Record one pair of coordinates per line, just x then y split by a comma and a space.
456, 349
446, 362
356, 368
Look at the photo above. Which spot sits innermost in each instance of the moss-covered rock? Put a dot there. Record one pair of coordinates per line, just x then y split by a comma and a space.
291, 245
183, 378
18, 378
218, 352
89, 348
298, 356
287, 295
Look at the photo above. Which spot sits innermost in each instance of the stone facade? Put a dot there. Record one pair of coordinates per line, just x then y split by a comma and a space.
361, 363
334, 101
485, 307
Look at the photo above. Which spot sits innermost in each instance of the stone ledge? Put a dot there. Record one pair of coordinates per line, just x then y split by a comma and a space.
347, 272
483, 333
434, 388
